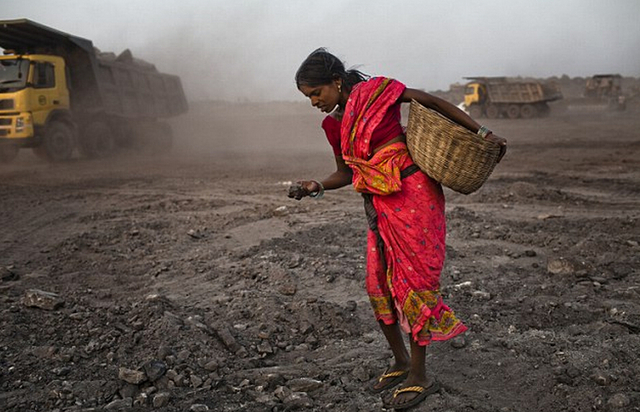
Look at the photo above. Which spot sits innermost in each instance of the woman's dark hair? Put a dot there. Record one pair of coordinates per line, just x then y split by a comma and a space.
322, 67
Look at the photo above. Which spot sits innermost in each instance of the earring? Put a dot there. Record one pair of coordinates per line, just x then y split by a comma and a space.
339, 88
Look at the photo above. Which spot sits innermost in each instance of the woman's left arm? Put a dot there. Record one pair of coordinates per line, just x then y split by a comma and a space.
450, 111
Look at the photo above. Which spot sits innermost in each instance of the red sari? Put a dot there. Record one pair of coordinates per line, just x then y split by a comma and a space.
403, 279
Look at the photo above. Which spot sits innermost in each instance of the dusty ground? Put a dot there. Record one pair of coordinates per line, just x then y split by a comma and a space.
191, 282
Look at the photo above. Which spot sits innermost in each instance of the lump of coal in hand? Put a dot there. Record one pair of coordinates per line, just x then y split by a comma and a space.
297, 191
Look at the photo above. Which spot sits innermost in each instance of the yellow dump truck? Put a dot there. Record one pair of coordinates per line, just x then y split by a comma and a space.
58, 93
495, 97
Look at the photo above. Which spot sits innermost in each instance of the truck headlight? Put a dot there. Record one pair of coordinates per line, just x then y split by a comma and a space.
20, 124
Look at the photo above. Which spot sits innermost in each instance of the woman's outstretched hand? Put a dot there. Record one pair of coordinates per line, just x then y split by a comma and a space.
303, 188
500, 141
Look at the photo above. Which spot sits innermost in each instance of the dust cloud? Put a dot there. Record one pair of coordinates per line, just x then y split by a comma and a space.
249, 51
236, 132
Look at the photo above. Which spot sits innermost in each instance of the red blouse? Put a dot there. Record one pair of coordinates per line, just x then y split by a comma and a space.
388, 129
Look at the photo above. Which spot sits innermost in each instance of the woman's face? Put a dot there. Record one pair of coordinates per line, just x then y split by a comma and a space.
325, 97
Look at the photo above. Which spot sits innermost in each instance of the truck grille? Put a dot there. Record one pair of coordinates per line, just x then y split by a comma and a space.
5, 121
6, 104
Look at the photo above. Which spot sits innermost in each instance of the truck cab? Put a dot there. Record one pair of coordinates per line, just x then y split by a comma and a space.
32, 89
475, 95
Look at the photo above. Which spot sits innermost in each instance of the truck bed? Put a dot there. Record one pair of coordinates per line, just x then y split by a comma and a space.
522, 92
132, 90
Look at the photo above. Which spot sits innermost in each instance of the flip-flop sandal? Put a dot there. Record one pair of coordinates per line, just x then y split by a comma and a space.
420, 390
393, 379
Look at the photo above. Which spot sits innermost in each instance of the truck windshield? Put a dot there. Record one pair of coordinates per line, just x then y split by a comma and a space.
13, 74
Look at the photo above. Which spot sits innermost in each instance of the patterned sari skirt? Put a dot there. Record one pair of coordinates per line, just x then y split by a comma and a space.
405, 256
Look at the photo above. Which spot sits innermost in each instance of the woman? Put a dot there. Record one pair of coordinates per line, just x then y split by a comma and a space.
405, 210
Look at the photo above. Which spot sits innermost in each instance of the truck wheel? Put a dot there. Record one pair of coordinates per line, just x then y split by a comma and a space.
475, 111
8, 152
513, 111
58, 142
493, 111
97, 140
528, 111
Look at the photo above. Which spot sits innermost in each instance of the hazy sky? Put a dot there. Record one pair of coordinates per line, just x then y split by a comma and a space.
249, 49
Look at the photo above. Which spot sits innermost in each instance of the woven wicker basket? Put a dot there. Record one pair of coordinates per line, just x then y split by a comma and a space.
447, 152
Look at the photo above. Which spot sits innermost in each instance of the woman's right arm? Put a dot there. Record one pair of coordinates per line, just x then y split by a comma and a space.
340, 178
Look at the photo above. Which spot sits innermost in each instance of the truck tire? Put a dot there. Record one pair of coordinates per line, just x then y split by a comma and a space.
58, 142
475, 111
97, 140
493, 111
528, 111
8, 152
513, 111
